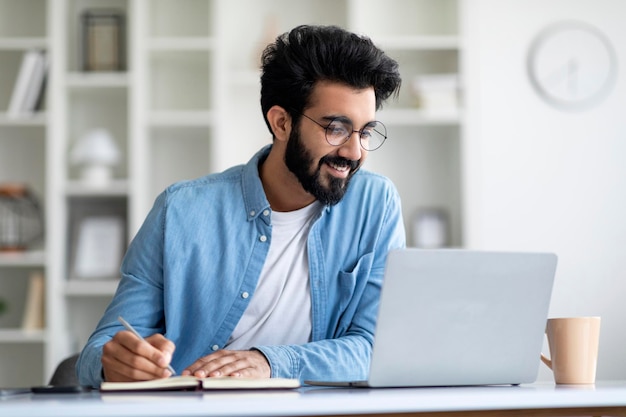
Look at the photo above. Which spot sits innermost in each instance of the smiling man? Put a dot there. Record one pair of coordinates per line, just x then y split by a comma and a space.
272, 268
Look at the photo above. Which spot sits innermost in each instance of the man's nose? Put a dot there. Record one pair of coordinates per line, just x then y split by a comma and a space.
352, 149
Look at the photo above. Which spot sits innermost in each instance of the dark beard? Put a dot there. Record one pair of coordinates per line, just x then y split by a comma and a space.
299, 162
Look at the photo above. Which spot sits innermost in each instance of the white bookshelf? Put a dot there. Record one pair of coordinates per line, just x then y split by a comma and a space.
32, 258
22, 139
38, 119
23, 336
23, 43
83, 80
176, 112
88, 288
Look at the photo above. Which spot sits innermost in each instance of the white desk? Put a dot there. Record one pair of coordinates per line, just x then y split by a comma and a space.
606, 399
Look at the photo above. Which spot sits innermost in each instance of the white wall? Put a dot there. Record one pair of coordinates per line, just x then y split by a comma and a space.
538, 178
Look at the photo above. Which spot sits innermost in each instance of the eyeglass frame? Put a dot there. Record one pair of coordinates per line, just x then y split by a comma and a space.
347, 138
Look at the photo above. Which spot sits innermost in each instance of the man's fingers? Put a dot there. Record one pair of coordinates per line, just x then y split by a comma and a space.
156, 348
165, 349
250, 364
130, 367
128, 358
207, 364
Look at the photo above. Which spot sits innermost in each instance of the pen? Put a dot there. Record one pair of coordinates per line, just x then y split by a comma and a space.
133, 331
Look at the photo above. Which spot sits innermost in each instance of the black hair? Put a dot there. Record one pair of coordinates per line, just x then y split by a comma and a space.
307, 54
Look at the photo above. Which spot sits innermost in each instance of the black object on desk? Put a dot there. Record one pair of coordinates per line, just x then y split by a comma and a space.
60, 389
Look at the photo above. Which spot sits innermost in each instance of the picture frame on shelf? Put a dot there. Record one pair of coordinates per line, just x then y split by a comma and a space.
99, 247
98, 238
103, 40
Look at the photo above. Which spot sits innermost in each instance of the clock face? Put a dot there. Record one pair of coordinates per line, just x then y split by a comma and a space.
572, 65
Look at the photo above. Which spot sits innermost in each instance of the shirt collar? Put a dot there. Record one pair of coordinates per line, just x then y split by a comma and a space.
254, 197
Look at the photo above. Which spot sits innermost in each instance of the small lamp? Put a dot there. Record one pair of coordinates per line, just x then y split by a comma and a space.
97, 153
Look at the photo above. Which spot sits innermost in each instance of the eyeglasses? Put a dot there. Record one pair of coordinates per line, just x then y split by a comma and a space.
338, 131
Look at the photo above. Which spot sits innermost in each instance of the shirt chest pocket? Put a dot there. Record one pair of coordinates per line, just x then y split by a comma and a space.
351, 285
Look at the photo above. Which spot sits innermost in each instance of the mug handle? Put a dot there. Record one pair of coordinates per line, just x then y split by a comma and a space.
547, 361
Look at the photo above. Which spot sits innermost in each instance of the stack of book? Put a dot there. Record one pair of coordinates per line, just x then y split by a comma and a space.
29, 85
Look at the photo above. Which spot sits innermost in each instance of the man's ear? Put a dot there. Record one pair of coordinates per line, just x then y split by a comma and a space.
280, 122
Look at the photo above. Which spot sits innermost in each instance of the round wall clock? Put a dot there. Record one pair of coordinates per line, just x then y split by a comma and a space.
572, 65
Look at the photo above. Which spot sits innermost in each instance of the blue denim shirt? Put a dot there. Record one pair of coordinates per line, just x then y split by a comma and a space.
192, 269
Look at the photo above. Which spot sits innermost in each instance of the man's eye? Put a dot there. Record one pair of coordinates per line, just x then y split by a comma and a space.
336, 129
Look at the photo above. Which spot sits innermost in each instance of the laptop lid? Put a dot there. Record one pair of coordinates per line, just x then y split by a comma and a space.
460, 317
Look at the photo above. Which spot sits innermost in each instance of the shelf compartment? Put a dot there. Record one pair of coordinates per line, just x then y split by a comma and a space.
20, 144
406, 17
103, 108
23, 364
11, 62
27, 19
424, 164
180, 18
84, 212
414, 63
75, 10
14, 291
180, 81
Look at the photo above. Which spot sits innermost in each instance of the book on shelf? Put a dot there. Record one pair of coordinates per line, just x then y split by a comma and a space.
33, 318
29, 84
192, 383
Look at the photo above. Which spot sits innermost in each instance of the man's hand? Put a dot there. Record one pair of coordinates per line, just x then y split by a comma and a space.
127, 358
239, 363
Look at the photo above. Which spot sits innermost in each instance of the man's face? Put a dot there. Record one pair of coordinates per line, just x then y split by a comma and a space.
324, 170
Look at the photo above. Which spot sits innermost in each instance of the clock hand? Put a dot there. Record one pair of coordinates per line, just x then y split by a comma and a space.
572, 77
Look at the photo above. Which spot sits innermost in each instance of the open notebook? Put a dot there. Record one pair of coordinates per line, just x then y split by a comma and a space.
459, 317
193, 383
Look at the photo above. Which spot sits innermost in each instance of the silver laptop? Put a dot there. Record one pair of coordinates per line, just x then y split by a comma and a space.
459, 317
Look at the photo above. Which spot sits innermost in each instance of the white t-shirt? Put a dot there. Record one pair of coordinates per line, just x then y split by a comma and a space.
280, 310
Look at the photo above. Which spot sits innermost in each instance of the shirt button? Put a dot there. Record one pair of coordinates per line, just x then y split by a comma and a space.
215, 347
245, 294
263, 238
266, 213
252, 213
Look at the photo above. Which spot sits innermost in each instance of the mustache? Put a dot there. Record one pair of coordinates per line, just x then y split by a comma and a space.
340, 161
